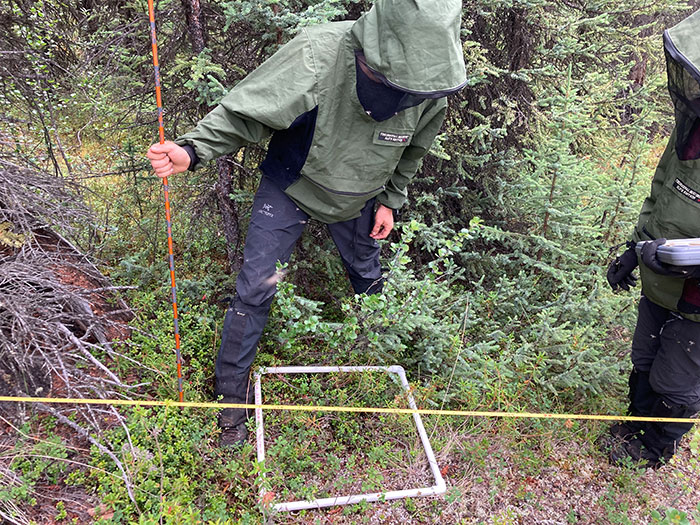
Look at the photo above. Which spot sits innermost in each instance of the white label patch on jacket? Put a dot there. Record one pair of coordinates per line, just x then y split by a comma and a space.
686, 191
398, 138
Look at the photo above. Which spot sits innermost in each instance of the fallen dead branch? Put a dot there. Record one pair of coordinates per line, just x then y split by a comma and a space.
59, 316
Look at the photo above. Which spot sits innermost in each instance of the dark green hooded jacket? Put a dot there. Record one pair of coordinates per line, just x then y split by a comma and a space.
347, 157
672, 210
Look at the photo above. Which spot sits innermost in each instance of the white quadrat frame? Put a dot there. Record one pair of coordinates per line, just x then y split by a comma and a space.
437, 489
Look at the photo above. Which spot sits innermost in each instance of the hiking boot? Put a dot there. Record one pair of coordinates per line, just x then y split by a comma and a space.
617, 435
636, 453
624, 431
232, 422
233, 437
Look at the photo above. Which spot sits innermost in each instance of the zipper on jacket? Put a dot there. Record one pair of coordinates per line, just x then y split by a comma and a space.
346, 193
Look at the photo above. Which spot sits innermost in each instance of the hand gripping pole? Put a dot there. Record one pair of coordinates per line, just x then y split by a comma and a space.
161, 134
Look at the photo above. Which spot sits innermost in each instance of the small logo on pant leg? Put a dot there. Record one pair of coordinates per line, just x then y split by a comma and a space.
265, 210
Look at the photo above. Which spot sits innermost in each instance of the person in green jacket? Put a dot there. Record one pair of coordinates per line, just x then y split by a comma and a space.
350, 108
665, 380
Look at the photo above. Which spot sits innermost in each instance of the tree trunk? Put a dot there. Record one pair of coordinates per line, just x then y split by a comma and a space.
195, 26
229, 213
224, 186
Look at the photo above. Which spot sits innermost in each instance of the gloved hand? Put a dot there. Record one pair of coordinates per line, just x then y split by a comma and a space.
620, 270
652, 262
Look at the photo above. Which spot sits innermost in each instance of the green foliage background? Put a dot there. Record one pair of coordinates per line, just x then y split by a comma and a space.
496, 297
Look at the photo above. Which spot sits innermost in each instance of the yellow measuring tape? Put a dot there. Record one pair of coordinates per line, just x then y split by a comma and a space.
366, 410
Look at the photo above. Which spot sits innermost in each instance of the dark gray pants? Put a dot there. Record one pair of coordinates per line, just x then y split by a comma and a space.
665, 381
275, 226
667, 346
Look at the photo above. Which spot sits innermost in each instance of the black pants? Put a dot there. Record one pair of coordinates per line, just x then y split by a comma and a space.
275, 226
667, 346
665, 381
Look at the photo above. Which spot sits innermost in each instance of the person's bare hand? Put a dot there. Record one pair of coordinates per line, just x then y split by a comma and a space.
383, 222
168, 158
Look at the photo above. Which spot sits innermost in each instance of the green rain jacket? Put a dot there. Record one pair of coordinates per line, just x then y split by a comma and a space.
672, 210
351, 158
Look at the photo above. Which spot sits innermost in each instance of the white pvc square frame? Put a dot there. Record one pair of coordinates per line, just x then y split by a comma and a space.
437, 489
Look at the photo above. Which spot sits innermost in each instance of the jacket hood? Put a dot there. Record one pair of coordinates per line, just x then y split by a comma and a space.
414, 44
682, 46
682, 43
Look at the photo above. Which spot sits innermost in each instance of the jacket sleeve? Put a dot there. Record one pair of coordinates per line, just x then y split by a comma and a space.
657, 185
395, 193
268, 99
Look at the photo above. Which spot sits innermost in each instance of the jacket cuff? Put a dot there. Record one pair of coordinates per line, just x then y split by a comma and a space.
194, 159
391, 200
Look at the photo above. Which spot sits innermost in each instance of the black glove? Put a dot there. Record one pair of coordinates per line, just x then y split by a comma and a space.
652, 262
620, 270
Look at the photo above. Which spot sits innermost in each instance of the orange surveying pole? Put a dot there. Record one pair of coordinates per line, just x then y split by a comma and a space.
161, 134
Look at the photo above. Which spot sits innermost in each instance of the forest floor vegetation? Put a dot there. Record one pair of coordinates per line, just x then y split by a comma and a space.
498, 471
495, 299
